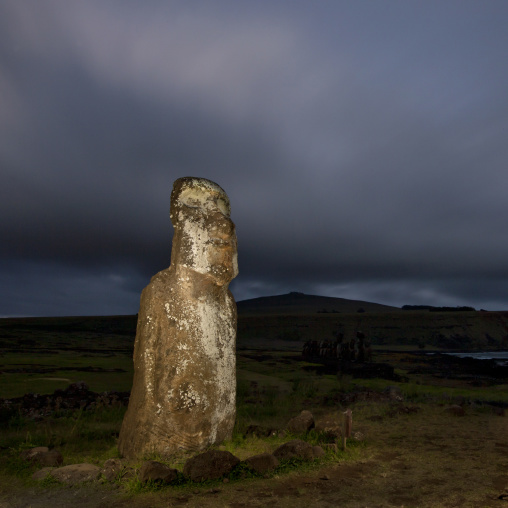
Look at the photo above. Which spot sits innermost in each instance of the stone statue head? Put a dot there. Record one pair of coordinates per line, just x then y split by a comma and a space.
205, 239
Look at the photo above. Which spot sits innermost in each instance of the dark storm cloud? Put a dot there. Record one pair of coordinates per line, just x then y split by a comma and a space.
363, 146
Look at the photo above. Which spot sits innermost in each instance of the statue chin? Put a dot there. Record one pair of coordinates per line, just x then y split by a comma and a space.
222, 275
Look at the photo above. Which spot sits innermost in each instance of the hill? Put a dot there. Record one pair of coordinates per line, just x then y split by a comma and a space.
299, 304
283, 321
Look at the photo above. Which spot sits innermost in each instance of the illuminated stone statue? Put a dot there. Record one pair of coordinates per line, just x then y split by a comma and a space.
184, 390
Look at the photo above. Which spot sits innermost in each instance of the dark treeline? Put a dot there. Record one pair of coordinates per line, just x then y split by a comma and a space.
431, 308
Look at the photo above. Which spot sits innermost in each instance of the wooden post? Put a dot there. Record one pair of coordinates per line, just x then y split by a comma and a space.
348, 426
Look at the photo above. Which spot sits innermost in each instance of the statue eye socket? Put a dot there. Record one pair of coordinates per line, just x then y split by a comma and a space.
192, 198
196, 198
222, 205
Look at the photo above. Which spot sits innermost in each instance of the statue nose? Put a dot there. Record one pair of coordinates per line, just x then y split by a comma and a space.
222, 224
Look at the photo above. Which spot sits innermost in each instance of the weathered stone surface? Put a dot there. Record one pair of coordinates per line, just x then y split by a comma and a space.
184, 389
262, 463
358, 436
329, 426
156, 471
76, 473
43, 456
75, 396
42, 473
294, 449
52, 458
31, 454
260, 431
112, 469
210, 465
318, 452
302, 423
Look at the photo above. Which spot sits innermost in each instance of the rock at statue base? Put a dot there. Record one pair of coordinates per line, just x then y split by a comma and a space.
76, 473
184, 389
156, 471
294, 449
302, 423
43, 456
262, 463
210, 465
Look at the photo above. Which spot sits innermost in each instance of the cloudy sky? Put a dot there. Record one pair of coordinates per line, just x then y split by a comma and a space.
363, 145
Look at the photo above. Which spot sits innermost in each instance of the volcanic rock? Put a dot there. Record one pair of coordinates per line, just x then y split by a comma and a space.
210, 465
43, 456
156, 471
262, 463
76, 473
43, 473
318, 452
112, 469
302, 423
294, 449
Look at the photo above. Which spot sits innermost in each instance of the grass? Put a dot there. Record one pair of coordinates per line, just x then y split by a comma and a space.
415, 391
80, 436
46, 372
90, 436
403, 457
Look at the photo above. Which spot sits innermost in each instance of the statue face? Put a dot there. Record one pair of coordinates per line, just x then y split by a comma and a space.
205, 238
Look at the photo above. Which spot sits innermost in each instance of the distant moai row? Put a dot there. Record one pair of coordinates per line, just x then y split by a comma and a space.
356, 349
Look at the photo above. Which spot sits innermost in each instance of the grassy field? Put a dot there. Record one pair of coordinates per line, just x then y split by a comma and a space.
413, 452
447, 330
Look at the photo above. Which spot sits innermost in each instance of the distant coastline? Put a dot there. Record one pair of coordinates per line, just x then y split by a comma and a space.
482, 355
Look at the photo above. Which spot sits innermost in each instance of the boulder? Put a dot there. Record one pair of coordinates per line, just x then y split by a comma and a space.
330, 434
52, 458
42, 473
43, 455
262, 463
302, 423
112, 470
329, 427
318, 452
76, 473
259, 431
156, 471
210, 465
31, 454
294, 449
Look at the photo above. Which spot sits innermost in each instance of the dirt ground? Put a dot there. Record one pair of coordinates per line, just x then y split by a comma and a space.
428, 458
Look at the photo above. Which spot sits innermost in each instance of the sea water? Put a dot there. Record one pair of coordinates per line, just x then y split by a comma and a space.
501, 357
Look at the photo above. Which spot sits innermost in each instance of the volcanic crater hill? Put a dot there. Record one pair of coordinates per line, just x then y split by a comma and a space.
276, 322
296, 317
299, 303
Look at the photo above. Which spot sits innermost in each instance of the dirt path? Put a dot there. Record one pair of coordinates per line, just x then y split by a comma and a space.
427, 459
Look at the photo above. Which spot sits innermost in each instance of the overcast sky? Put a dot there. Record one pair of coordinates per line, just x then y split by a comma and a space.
363, 145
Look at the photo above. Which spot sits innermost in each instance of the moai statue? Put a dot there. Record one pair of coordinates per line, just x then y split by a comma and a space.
184, 390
